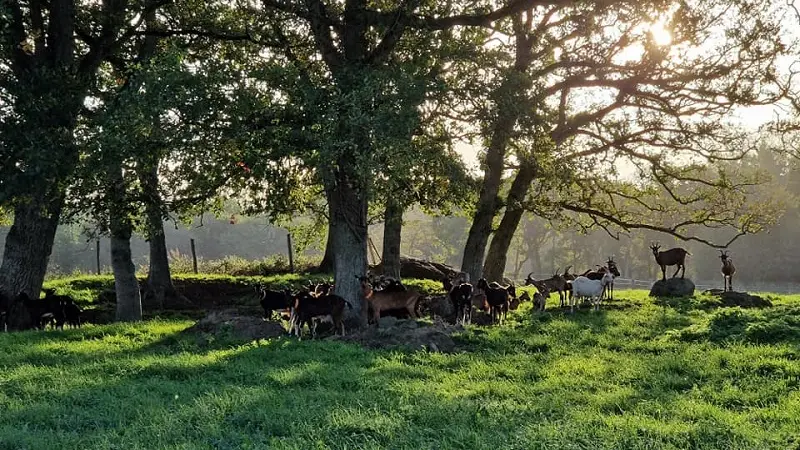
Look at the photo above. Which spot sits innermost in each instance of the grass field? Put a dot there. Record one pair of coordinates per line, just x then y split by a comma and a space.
636, 375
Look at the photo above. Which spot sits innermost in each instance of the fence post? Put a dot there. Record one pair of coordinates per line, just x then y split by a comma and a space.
97, 255
291, 252
194, 255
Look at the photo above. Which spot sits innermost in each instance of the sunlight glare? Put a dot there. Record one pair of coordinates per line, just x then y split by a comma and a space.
661, 35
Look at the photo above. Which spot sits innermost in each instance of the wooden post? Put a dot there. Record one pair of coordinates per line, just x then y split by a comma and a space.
97, 255
194, 256
291, 252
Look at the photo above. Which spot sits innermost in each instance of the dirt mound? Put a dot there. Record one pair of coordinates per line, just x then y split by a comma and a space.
406, 335
231, 324
743, 300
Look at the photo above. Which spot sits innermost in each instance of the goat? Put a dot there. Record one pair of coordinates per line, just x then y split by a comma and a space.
273, 301
461, 298
727, 271
72, 313
497, 298
56, 306
583, 287
556, 283
389, 284
611, 266
382, 300
323, 288
672, 257
306, 308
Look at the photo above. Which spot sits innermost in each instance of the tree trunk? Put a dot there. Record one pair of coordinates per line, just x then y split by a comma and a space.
126, 286
392, 230
508, 99
349, 235
28, 246
498, 250
481, 227
159, 278
326, 266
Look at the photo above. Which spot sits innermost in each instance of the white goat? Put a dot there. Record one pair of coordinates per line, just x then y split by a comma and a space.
583, 287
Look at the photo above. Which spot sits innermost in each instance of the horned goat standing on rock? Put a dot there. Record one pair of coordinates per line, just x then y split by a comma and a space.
672, 257
727, 271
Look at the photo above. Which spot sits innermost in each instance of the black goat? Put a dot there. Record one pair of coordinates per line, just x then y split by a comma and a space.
308, 309
274, 301
461, 297
672, 257
72, 314
323, 288
497, 298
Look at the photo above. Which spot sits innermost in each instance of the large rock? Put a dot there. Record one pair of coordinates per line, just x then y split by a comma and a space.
672, 287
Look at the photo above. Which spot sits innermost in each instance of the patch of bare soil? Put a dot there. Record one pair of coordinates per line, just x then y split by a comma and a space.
231, 324
405, 335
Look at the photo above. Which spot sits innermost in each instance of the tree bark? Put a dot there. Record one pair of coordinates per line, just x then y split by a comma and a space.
349, 234
498, 250
126, 286
28, 246
159, 277
392, 231
326, 266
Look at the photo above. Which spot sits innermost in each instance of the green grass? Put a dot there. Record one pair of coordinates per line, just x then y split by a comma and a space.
634, 376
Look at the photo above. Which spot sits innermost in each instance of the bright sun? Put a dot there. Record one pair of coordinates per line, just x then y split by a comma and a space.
661, 35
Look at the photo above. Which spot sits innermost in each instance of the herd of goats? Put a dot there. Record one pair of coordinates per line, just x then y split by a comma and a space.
387, 296
384, 296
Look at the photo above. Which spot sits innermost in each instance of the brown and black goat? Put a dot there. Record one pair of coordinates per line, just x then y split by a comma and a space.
497, 298
384, 300
672, 257
556, 283
727, 271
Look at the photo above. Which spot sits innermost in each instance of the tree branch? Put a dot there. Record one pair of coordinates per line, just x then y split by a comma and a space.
627, 226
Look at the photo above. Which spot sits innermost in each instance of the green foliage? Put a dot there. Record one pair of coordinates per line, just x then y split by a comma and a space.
589, 381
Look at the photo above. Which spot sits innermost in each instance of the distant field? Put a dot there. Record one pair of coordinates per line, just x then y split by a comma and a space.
636, 375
